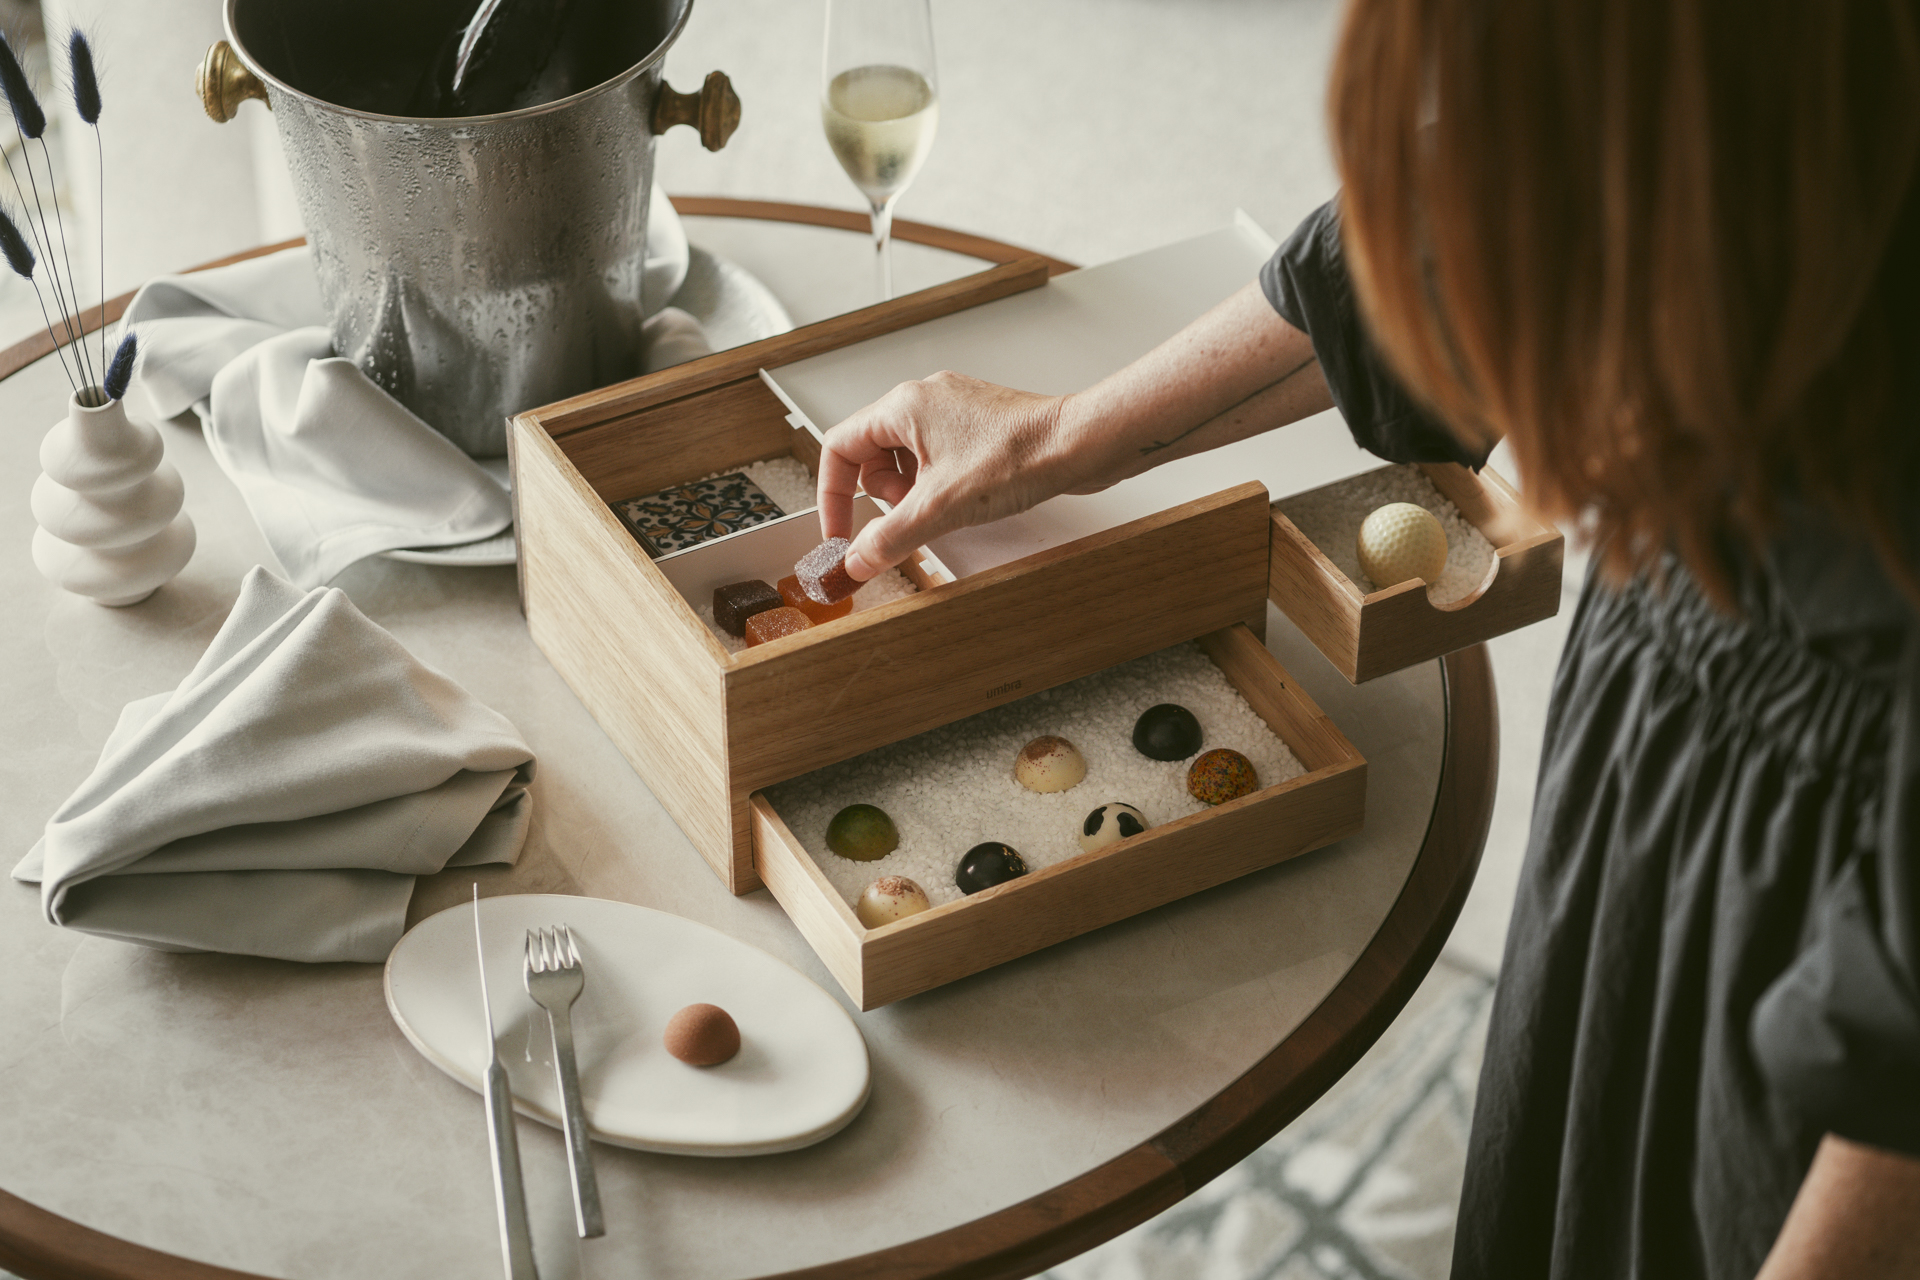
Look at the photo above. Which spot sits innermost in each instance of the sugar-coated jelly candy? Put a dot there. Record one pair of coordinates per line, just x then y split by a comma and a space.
1110, 824
1220, 775
823, 572
734, 603
1049, 763
791, 594
1166, 732
888, 899
862, 832
774, 623
986, 865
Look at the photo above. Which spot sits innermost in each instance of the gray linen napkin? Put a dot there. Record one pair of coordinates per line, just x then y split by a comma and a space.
332, 468
281, 801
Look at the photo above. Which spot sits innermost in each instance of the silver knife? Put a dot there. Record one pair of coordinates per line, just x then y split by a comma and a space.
509, 1193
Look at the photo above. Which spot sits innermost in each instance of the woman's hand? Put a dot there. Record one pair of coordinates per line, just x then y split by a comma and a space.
946, 452
952, 451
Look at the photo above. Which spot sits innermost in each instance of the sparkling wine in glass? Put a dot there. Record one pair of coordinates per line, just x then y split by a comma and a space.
879, 103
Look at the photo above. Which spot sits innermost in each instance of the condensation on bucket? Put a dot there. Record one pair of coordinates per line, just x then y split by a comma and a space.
473, 267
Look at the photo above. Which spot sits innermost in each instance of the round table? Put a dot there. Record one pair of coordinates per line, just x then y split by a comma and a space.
200, 1116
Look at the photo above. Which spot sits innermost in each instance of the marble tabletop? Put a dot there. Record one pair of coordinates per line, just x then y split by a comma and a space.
269, 1117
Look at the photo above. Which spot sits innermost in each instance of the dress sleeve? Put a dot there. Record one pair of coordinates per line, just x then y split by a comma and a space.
1838, 1034
1306, 281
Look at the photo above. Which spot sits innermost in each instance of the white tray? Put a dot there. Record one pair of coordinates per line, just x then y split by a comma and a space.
801, 1074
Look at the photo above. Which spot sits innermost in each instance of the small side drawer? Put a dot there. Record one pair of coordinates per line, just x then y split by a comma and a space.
1374, 634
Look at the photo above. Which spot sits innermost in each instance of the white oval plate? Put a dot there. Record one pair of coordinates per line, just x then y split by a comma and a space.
801, 1074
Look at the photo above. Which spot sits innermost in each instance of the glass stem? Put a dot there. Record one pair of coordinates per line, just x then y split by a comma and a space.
883, 245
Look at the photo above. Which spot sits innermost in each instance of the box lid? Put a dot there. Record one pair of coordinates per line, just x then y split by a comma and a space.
1074, 331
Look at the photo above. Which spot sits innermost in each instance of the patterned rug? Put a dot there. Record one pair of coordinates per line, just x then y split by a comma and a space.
1365, 1185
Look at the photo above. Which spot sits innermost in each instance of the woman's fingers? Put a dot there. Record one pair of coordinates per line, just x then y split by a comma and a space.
868, 441
944, 452
886, 480
888, 540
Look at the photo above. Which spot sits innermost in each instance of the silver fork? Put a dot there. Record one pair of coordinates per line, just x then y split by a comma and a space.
554, 980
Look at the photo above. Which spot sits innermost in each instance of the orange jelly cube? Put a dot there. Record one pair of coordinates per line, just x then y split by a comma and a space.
774, 623
791, 592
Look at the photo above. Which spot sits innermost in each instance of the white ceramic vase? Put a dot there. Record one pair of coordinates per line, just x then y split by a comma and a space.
108, 505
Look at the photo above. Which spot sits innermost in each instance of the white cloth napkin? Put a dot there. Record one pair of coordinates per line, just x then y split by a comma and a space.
281, 801
332, 468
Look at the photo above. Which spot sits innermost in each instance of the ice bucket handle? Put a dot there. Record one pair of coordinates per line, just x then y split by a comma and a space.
223, 83
715, 110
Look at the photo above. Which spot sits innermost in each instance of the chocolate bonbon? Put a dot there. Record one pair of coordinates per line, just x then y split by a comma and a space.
1220, 775
862, 832
888, 899
1110, 824
988, 864
1166, 732
1049, 763
702, 1035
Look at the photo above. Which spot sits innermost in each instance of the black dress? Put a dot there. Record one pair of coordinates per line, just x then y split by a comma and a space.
1714, 957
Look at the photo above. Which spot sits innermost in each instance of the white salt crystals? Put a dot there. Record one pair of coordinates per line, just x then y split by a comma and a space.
1331, 517
786, 480
952, 788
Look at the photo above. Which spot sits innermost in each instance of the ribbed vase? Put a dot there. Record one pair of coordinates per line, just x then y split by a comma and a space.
108, 505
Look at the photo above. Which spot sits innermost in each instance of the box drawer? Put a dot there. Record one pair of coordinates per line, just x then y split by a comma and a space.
1183, 856
1372, 633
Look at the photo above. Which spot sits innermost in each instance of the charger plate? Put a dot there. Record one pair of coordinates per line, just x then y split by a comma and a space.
801, 1074
733, 309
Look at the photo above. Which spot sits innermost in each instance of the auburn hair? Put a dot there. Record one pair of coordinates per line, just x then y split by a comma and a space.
1666, 248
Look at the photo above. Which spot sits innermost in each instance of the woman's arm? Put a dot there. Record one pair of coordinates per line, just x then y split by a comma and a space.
951, 451
1857, 1215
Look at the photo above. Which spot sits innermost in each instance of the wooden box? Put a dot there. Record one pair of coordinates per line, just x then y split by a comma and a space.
706, 729
1170, 861
1372, 634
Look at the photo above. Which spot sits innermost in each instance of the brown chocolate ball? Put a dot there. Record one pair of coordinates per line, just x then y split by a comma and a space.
702, 1034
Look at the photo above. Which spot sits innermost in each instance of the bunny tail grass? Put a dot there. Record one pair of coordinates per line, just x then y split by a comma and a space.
120, 372
86, 102
13, 80
76, 319
86, 85
14, 246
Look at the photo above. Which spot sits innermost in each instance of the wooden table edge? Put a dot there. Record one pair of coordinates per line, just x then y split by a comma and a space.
1125, 1191
40, 345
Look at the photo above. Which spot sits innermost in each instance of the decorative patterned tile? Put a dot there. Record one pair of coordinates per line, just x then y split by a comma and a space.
689, 514
1363, 1186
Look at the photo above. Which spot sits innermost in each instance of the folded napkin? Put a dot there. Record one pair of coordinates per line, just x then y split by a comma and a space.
333, 468
281, 801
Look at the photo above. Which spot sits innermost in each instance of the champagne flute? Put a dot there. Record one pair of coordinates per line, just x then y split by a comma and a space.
879, 103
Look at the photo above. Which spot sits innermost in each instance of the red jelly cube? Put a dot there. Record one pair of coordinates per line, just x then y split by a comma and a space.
774, 623
734, 603
791, 593
823, 572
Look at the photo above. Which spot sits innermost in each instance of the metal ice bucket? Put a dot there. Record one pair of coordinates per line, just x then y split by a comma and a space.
473, 266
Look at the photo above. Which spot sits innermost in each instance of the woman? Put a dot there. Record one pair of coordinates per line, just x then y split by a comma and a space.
1670, 250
